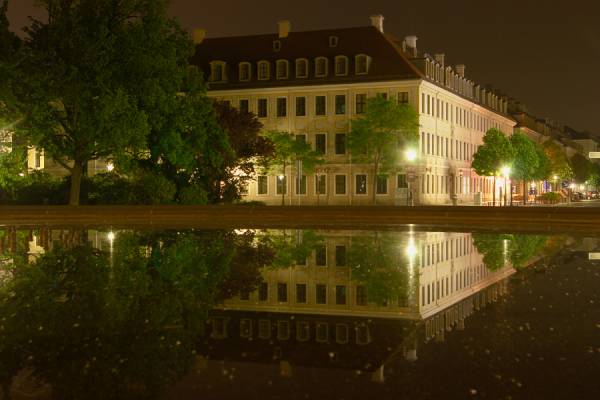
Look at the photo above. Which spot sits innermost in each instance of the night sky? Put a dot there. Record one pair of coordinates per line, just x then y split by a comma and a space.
544, 53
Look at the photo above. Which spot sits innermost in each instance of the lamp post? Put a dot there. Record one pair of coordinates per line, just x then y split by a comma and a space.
411, 156
506, 173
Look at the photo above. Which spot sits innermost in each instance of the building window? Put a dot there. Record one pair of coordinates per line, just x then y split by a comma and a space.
281, 184
283, 330
246, 328
244, 106
264, 329
219, 328
340, 104
321, 294
361, 296
262, 108
322, 332
301, 293
403, 97
301, 68
263, 70
340, 256
300, 106
320, 184
363, 336
340, 295
276, 45
361, 103
321, 256
402, 182
340, 143
301, 185
262, 185
217, 71
281, 107
333, 41
382, 183
340, 184
320, 143
282, 295
362, 62
245, 71
282, 69
320, 67
320, 105
263, 291
341, 333
341, 65
302, 331
361, 184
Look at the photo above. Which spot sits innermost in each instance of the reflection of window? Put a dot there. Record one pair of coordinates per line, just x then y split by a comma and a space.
322, 332
262, 185
341, 65
320, 143
403, 97
361, 296
362, 64
301, 185
281, 106
363, 336
340, 256
283, 330
302, 331
321, 294
264, 329
301, 293
219, 328
402, 183
321, 67
262, 108
341, 333
245, 328
361, 184
217, 71
281, 185
282, 67
263, 70
340, 294
321, 256
244, 71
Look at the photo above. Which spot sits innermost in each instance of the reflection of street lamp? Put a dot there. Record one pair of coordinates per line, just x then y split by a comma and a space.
506, 172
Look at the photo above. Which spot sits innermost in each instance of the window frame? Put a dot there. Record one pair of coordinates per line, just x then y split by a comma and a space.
249, 66
213, 67
345, 61
268, 70
318, 60
306, 66
366, 185
278, 63
357, 64
335, 185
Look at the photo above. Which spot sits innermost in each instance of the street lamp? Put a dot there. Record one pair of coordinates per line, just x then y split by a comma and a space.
411, 156
506, 172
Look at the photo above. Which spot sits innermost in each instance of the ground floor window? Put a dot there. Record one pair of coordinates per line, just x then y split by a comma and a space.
321, 184
281, 184
262, 185
361, 184
382, 181
340, 184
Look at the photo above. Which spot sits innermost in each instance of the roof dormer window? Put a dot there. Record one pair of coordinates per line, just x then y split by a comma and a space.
245, 71
276, 45
263, 70
282, 68
321, 67
217, 71
341, 66
302, 68
333, 41
362, 64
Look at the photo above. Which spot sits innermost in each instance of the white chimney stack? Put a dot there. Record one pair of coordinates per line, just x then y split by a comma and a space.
377, 22
440, 57
285, 28
411, 41
199, 35
460, 70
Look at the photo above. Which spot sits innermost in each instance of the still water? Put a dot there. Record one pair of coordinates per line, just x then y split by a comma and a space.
297, 314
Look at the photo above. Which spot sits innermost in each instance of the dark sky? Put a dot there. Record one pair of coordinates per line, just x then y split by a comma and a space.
544, 53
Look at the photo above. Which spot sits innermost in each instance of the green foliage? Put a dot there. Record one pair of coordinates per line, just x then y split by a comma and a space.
582, 168
13, 167
193, 195
10, 45
377, 263
543, 170
523, 248
495, 153
559, 163
551, 197
525, 162
287, 250
500, 249
382, 134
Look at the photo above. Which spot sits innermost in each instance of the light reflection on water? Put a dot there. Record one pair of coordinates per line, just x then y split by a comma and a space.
138, 314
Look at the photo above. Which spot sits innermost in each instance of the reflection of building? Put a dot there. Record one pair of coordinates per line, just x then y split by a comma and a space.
312, 84
317, 313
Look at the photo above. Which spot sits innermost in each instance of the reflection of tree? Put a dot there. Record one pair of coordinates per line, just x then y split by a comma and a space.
289, 249
498, 249
119, 325
378, 263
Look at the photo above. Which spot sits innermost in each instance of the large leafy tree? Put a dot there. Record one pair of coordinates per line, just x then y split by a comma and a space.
10, 46
379, 136
287, 150
559, 162
490, 157
526, 162
582, 168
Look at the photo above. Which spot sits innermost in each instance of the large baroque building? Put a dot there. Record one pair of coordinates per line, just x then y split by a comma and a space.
313, 84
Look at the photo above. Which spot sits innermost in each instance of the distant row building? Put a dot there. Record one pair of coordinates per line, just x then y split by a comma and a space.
313, 84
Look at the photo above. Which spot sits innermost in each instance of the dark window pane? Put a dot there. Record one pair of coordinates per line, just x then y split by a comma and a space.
262, 108
244, 106
320, 105
321, 294
340, 256
382, 184
361, 184
281, 107
340, 184
321, 256
340, 143
263, 291
301, 293
361, 296
340, 104
320, 143
282, 292
300, 106
340, 295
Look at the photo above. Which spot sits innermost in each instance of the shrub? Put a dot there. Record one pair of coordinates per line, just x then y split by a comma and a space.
551, 197
193, 195
38, 188
151, 188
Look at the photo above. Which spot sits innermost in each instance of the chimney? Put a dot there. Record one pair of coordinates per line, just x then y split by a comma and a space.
377, 22
440, 58
460, 70
199, 35
411, 44
284, 28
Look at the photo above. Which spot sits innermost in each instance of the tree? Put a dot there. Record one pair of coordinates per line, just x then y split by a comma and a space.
490, 157
542, 171
249, 148
10, 46
379, 136
288, 149
582, 168
525, 162
559, 163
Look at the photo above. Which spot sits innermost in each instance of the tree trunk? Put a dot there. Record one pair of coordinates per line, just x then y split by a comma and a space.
76, 174
283, 186
375, 171
494, 193
525, 195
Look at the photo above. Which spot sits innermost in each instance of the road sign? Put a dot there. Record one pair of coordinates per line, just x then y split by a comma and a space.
594, 154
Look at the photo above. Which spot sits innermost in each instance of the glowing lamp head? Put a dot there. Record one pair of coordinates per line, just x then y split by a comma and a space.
111, 236
110, 167
411, 250
572, 186
555, 177
281, 177
505, 171
411, 155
